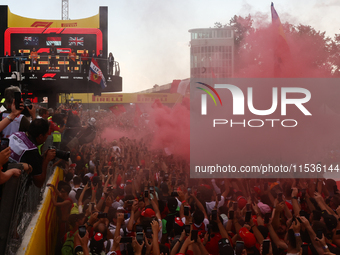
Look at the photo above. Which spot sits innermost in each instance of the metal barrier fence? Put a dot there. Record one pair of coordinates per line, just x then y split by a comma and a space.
26, 64
19, 203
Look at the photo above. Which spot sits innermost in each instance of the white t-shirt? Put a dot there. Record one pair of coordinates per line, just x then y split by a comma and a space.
90, 175
205, 221
210, 205
72, 194
115, 149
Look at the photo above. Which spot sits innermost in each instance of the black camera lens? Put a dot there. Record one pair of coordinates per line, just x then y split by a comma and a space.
65, 155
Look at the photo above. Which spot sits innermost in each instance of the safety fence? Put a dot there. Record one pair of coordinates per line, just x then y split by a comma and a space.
19, 203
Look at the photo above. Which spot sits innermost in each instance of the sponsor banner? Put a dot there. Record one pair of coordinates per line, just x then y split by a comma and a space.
19, 21
126, 98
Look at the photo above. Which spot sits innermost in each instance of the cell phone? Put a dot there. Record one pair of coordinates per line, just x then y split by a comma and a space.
316, 215
337, 232
319, 233
139, 228
219, 197
82, 231
265, 247
187, 229
146, 193
303, 213
140, 237
126, 239
17, 98
214, 215
239, 247
148, 232
130, 202
248, 216
235, 205
231, 215
151, 189
279, 197
166, 176
189, 191
102, 215
194, 234
304, 247
267, 217
89, 183
248, 207
186, 210
230, 204
4, 143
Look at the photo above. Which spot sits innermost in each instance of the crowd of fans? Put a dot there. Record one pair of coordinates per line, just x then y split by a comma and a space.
121, 197
149, 197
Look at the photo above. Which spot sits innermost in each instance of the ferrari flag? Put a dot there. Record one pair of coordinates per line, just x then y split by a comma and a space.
96, 74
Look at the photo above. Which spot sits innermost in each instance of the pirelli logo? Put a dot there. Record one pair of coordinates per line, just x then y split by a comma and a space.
69, 24
41, 24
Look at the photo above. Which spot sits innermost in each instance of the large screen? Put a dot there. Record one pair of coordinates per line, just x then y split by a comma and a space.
64, 39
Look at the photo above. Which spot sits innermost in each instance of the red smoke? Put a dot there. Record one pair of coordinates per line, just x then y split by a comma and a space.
166, 128
171, 129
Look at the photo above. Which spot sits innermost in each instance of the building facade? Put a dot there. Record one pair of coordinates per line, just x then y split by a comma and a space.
212, 52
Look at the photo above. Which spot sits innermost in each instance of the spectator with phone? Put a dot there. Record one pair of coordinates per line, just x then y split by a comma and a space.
18, 122
24, 149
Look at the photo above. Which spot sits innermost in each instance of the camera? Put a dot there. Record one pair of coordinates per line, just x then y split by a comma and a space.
27, 105
65, 155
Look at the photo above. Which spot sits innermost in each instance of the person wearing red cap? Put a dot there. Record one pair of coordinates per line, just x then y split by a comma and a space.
200, 217
217, 232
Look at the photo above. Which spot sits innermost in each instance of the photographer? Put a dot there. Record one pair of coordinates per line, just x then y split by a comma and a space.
24, 149
18, 121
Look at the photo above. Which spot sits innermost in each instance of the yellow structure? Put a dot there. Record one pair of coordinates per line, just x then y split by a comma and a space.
45, 233
19, 21
126, 98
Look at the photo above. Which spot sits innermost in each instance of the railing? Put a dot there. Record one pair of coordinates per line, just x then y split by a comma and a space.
19, 203
42, 63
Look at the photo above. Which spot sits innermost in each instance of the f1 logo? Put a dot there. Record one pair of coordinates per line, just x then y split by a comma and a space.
49, 75
41, 24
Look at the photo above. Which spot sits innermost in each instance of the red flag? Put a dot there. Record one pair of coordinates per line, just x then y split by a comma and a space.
117, 109
174, 86
138, 113
281, 48
96, 75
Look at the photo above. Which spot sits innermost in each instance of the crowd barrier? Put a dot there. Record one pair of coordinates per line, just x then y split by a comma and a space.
20, 201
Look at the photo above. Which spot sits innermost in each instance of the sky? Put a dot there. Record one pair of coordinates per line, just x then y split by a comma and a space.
150, 38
